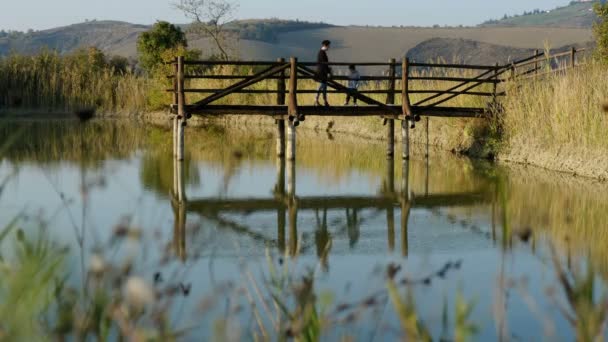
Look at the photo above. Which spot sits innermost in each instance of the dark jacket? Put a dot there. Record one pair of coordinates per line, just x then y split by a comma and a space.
322, 69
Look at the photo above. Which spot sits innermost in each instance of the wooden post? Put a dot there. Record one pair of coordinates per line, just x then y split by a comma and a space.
175, 135
176, 103
535, 63
175, 81
181, 103
405, 140
291, 141
292, 109
291, 179
405, 95
495, 85
390, 97
181, 126
281, 88
280, 138
572, 57
390, 100
512, 71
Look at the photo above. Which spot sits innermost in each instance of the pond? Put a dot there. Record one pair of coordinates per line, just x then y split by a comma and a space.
445, 246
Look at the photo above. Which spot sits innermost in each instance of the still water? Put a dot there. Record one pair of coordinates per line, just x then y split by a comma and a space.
461, 232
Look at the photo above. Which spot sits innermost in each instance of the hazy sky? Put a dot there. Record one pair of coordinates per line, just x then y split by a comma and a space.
42, 14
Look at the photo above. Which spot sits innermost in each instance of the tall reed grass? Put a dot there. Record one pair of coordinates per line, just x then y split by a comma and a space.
559, 111
52, 82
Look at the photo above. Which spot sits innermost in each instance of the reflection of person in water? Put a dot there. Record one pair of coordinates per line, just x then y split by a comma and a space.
353, 227
323, 239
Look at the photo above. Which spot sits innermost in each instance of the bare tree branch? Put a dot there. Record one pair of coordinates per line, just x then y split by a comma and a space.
209, 19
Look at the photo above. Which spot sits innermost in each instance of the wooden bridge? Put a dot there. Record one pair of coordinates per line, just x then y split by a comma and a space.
400, 78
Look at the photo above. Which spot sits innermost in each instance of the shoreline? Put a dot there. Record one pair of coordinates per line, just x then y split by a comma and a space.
452, 135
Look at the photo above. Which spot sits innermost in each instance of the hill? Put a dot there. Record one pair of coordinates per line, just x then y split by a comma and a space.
472, 52
294, 39
106, 35
576, 14
120, 37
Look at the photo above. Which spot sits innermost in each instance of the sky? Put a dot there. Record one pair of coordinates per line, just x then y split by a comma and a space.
43, 14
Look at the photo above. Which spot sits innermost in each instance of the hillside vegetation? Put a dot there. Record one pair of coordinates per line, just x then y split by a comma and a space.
576, 14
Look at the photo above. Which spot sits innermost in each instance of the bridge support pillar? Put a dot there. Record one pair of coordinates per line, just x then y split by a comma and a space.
181, 127
181, 112
291, 141
405, 139
280, 138
175, 140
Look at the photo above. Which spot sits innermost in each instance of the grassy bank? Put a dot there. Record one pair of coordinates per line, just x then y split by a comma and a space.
558, 122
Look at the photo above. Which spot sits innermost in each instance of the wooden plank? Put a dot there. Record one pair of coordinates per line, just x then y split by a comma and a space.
453, 79
241, 77
453, 66
235, 63
394, 112
313, 91
345, 63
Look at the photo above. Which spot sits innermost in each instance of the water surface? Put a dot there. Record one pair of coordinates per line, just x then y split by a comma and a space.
343, 211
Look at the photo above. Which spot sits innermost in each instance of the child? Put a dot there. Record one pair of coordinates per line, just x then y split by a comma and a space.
353, 84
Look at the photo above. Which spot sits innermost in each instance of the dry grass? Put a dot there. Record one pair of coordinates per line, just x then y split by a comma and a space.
562, 111
52, 82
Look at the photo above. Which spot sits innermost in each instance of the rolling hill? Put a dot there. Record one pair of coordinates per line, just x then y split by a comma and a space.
283, 39
576, 14
474, 52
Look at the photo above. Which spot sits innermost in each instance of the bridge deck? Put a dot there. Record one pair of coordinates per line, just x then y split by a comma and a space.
388, 111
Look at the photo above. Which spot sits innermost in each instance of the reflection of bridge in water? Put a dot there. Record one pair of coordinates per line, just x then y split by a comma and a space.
287, 205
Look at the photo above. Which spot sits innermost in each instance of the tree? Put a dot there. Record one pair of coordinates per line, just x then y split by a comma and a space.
209, 18
152, 44
600, 30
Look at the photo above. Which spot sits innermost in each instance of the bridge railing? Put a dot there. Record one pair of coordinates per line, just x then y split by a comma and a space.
430, 84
